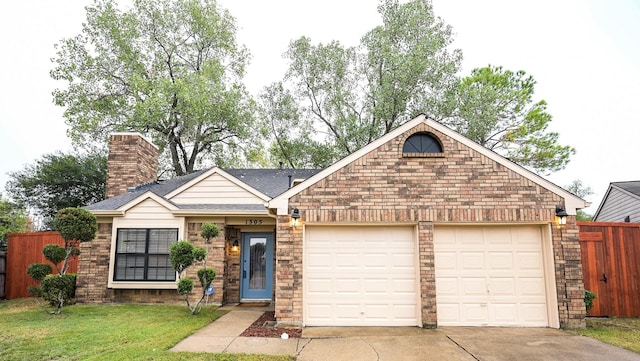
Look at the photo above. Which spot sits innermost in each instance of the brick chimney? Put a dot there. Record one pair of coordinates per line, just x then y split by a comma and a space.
133, 160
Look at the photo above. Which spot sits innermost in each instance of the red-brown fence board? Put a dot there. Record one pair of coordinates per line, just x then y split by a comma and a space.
3, 273
24, 249
611, 267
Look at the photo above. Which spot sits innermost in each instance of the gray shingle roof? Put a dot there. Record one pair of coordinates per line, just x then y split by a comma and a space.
270, 182
630, 186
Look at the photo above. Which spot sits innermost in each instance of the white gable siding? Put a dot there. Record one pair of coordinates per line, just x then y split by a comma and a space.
148, 210
617, 206
215, 189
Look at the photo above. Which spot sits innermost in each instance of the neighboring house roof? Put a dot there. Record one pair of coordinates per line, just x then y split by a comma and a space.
265, 183
632, 187
621, 199
572, 202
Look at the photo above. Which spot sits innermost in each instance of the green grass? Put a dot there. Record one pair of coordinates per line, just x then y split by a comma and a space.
104, 332
621, 332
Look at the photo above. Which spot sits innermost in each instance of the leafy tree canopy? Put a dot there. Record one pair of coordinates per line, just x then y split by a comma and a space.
58, 181
170, 69
494, 107
13, 219
336, 99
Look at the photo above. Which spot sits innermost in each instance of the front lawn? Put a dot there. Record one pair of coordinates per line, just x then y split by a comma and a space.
621, 332
104, 332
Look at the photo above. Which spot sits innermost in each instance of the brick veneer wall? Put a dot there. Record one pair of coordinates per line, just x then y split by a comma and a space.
93, 268
461, 186
132, 161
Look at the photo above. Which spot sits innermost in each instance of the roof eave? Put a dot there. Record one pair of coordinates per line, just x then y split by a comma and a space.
106, 212
214, 212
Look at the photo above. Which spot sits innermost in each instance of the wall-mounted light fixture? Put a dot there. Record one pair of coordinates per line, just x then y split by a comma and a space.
561, 216
295, 217
235, 247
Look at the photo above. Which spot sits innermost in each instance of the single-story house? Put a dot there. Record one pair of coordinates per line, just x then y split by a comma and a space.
621, 203
422, 227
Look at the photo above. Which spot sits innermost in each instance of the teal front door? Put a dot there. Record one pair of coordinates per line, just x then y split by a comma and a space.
256, 266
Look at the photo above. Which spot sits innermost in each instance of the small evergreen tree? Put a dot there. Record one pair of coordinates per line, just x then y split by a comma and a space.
75, 225
183, 254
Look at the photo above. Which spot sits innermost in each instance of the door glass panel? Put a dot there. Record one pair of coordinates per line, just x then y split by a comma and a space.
257, 263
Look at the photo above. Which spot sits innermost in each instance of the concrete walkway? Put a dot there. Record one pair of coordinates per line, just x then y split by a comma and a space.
222, 336
400, 343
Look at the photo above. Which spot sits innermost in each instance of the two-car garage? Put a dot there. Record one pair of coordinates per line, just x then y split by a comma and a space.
485, 276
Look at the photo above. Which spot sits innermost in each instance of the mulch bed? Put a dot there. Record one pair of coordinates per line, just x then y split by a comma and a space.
264, 327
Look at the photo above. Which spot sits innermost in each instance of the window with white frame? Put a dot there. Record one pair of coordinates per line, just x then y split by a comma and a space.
142, 254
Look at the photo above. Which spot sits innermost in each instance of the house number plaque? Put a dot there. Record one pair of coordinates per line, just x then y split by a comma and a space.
253, 222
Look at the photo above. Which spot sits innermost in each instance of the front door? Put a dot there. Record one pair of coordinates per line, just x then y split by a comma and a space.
257, 266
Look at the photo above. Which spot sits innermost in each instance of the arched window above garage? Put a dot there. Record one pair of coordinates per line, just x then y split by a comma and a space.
422, 145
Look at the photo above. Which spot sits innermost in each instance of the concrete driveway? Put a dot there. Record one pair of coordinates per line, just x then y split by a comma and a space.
400, 343
452, 343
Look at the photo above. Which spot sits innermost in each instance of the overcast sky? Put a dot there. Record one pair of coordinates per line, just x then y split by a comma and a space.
584, 55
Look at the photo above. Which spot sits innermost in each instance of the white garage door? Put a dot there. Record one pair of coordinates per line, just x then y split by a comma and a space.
490, 276
360, 276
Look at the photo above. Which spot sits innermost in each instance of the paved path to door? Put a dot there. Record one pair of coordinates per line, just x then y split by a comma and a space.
401, 343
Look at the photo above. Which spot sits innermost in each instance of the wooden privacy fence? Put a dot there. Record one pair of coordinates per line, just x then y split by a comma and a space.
3, 273
24, 249
611, 267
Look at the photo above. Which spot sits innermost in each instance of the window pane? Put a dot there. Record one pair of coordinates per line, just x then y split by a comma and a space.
131, 240
161, 239
421, 143
258, 265
160, 269
129, 267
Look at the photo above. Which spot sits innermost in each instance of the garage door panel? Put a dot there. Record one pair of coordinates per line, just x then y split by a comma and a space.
503, 286
448, 260
473, 286
499, 261
531, 287
529, 261
498, 278
494, 236
472, 261
319, 286
371, 273
475, 313
448, 313
505, 314
532, 313
320, 259
347, 285
447, 286
404, 286
469, 239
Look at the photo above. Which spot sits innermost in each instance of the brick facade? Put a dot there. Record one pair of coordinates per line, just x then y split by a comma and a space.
459, 185
132, 161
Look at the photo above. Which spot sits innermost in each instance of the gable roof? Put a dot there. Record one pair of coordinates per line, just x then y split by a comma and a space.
572, 202
631, 188
264, 183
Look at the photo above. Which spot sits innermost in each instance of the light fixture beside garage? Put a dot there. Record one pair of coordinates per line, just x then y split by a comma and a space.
561, 216
295, 217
